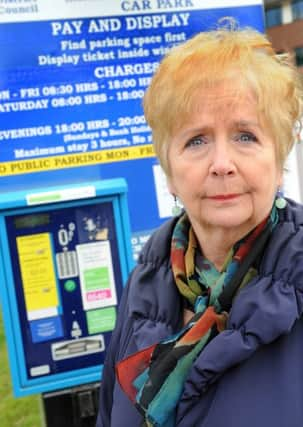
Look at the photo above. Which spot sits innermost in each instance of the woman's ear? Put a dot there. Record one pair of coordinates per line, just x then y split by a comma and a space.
280, 177
171, 187
280, 181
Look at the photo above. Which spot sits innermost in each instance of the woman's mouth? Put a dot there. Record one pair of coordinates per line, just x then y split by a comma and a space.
222, 197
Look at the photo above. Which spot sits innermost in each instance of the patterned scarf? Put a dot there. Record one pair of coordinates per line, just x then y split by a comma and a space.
154, 377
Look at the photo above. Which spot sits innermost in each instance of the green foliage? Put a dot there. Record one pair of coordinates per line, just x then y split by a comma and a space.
15, 412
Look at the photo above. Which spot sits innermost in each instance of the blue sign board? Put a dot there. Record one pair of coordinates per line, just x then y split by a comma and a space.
72, 77
65, 256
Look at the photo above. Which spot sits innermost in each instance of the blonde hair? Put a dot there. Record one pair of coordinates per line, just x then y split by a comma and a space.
243, 56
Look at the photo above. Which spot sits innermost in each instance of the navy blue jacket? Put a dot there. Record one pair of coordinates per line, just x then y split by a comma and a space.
251, 374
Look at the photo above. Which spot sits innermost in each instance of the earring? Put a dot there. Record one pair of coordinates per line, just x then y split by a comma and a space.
176, 209
280, 202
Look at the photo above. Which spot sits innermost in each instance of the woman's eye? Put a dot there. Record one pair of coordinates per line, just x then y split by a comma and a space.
246, 137
196, 141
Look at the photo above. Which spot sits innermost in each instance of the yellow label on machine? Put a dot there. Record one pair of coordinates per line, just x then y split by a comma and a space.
37, 271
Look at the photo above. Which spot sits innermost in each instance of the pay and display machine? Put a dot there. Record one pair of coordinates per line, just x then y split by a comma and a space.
65, 256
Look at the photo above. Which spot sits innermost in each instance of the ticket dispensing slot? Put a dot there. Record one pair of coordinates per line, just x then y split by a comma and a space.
80, 347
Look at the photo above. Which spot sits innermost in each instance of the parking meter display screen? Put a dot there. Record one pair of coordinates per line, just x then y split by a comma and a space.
68, 282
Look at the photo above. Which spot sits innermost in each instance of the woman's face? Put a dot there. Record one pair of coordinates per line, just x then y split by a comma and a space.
222, 163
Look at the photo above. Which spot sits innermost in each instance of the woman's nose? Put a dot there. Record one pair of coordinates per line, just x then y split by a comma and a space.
222, 161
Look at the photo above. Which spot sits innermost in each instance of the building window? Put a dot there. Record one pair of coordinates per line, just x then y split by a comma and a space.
299, 56
297, 9
273, 16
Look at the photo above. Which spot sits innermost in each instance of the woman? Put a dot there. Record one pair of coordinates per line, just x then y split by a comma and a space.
210, 330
